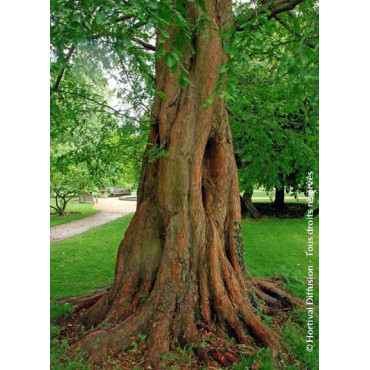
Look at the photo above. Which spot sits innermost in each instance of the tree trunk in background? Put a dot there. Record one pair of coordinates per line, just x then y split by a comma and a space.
279, 198
247, 206
181, 262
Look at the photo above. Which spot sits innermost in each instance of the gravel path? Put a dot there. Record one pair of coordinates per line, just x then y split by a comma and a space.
110, 209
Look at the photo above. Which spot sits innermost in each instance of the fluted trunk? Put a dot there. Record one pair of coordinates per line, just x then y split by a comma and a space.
181, 261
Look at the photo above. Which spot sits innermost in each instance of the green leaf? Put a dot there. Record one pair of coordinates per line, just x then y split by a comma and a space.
170, 60
183, 81
165, 33
224, 68
142, 336
161, 94
100, 18
152, 4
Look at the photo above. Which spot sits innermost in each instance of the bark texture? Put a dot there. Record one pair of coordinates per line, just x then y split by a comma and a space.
180, 264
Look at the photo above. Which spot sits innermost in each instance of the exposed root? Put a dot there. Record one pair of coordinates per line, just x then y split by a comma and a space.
158, 341
215, 348
186, 305
85, 301
233, 315
165, 309
97, 345
273, 295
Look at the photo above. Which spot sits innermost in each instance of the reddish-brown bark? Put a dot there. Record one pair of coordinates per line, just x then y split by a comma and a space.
181, 262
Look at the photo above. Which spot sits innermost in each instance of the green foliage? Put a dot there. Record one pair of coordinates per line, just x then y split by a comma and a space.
66, 183
263, 360
272, 96
293, 332
59, 360
272, 88
101, 91
155, 152
89, 138
179, 358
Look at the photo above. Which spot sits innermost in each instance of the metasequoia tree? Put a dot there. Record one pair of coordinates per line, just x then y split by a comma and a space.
180, 265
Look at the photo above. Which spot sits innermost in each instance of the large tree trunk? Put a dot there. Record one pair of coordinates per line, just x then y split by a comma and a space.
181, 262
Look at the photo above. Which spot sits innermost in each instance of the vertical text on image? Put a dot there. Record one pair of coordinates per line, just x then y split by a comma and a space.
309, 252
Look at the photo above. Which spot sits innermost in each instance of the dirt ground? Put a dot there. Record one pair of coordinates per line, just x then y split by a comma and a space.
110, 209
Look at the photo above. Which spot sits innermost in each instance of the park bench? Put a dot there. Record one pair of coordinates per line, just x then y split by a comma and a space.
119, 192
87, 198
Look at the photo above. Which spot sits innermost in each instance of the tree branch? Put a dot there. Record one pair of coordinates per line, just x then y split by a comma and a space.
56, 201
271, 9
59, 78
145, 45
54, 208
296, 34
90, 99
123, 18
68, 199
131, 85
95, 37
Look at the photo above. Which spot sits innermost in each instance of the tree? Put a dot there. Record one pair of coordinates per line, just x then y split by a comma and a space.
180, 265
90, 147
272, 100
67, 184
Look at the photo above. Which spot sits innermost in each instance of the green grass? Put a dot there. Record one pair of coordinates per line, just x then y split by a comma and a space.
83, 210
86, 261
261, 193
275, 247
272, 247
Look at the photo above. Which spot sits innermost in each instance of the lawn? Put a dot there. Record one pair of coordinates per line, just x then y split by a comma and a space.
263, 193
272, 247
82, 209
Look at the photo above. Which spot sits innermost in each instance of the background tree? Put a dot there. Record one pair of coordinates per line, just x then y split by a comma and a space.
272, 99
67, 184
180, 267
88, 132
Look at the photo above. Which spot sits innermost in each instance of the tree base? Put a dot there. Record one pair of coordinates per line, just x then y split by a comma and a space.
111, 344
